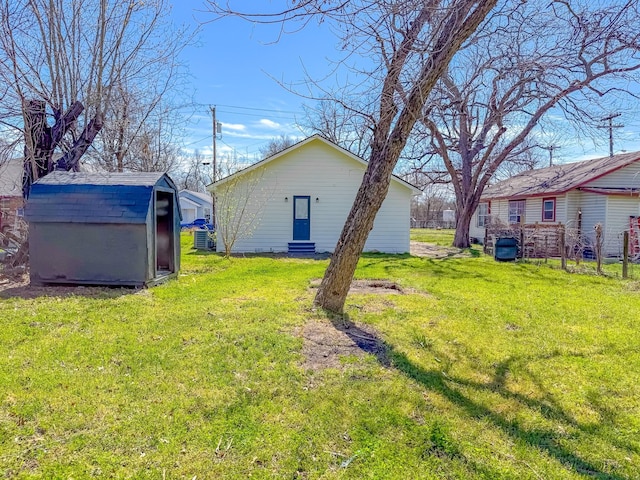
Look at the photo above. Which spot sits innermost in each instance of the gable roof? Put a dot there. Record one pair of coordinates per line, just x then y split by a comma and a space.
72, 197
297, 145
11, 178
558, 179
198, 197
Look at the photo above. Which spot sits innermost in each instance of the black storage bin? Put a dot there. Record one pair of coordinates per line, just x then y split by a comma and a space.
506, 249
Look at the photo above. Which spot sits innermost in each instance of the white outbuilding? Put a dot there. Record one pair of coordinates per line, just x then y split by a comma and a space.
297, 201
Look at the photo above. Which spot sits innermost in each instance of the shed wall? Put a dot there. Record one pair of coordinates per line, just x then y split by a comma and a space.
88, 253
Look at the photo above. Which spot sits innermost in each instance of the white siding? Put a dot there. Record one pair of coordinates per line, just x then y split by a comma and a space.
474, 229
188, 214
573, 199
627, 177
533, 210
619, 209
321, 172
594, 209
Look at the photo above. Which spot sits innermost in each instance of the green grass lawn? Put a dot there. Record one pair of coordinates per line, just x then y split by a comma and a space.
492, 370
442, 236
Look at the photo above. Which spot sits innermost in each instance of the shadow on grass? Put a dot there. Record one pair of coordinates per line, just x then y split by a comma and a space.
545, 440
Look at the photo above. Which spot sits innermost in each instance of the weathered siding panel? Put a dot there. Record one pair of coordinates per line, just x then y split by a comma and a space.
619, 209
321, 172
627, 177
533, 210
594, 210
474, 229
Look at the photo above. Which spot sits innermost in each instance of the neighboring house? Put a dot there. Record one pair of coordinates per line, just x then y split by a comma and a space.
299, 199
195, 205
11, 202
578, 195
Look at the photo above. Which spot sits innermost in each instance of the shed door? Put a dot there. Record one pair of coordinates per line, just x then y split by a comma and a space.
301, 218
165, 261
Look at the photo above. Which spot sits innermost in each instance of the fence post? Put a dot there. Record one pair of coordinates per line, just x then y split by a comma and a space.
546, 248
563, 250
486, 239
625, 254
598, 248
522, 253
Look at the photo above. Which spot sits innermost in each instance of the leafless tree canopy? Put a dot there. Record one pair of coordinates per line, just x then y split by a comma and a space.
68, 67
407, 45
195, 172
276, 145
572, 60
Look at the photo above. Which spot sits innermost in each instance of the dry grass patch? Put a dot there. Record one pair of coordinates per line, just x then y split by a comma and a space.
327, 344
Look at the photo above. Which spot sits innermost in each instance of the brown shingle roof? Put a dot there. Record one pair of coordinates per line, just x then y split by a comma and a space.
558, 178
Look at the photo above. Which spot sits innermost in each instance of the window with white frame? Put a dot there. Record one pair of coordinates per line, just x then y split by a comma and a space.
484, 210
549, 210
516, 211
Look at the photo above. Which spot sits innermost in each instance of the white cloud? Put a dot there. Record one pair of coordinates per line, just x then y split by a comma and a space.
269, 123
238, 127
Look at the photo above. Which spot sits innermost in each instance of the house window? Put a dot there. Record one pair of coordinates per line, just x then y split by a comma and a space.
549, 210
516, 211
484, 210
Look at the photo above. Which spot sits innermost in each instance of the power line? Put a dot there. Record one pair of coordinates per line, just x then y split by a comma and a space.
256, 115
261, 109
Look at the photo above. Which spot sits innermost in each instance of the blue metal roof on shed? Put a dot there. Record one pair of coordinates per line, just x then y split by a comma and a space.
72, 197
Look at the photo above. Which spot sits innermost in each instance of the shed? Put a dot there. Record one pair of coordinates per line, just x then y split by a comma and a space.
120, 229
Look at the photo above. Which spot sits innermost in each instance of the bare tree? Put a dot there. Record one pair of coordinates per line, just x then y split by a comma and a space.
239, 201
195, 172
276, 145
72, 62
340, 124
494, 104
412, 42
141, 133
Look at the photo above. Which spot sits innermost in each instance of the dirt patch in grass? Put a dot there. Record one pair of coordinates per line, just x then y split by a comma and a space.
329, 344
375, 286
18, 286
431, 250
369, 286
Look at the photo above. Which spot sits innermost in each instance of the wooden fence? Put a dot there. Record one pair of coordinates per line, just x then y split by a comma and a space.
535, 240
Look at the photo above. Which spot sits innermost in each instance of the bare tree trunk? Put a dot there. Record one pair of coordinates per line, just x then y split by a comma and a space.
337, 279
41, 140
71, 159
390, 137
463, 224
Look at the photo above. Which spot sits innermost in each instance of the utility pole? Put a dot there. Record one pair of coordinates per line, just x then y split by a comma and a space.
550, 148
611, 126
216, 128
215, 133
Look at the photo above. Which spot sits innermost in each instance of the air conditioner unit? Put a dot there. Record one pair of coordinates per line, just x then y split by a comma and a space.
202, 240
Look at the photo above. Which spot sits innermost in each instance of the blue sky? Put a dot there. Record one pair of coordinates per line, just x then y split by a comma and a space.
236, 66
